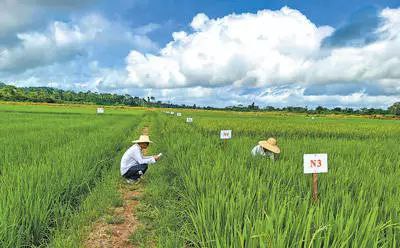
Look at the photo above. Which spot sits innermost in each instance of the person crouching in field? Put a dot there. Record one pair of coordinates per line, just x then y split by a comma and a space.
133, 163
267, 148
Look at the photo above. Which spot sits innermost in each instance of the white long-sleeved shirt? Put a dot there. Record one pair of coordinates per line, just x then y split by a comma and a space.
258, 150
133, 156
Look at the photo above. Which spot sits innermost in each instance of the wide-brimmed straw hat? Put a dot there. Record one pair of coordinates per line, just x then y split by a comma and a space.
143, 139
270, 144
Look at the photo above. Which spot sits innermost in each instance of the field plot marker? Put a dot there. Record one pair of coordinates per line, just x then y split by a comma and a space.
100, 111
315, 187
314, 164
189, 120
225, 135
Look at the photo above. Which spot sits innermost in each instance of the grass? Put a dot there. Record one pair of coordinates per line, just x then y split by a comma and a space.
50, 163
114, 219
141, 237
117, 202
59, 172
75, 230
99, 204
207, 194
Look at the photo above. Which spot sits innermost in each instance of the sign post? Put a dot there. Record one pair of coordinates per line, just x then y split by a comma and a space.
178, 114
225, 135
189, 120
100, 111
314, 164
315, 187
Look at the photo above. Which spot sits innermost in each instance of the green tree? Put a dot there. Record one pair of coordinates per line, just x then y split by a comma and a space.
395, 108
320, 109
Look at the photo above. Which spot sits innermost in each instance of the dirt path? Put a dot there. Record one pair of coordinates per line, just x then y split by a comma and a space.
114, 230
145, 131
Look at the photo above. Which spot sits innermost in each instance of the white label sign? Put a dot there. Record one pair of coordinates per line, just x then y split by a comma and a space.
100, 110
172, 113
315, 163
226, 134
178, 114
189, 120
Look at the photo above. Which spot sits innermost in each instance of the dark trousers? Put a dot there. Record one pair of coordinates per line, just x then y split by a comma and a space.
133, 172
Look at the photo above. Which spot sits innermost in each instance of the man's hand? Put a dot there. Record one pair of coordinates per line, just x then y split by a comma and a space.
157, 157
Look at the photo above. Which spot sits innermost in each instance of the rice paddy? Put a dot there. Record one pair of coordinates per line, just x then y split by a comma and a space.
223, 197
205, 192
50, 160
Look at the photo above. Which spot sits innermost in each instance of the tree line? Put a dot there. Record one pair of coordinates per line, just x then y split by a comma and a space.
53, 95
394, 110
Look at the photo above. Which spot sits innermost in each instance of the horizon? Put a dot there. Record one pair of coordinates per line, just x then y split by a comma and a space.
195, 106
225, 53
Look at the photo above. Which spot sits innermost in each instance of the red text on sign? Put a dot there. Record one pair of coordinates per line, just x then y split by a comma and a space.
315, 163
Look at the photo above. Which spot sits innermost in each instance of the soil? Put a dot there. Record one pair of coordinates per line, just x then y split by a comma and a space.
145, 131
106, 235
117, 235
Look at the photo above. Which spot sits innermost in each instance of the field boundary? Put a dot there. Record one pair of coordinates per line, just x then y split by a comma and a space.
117, 227
102, 200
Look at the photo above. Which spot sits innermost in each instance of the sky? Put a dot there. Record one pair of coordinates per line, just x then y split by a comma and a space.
342, 53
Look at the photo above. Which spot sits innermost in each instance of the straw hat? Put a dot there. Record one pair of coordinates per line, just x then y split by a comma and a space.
143, 139
270, 144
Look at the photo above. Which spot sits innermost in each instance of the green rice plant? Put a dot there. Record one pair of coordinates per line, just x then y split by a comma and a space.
50, 163
114, 219
215, 194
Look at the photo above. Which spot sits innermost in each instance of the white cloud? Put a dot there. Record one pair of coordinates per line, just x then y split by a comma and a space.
199, 22
63, 41
270, 58
277, 96
60, 42
80, 74
295, 97
18, 14
246, 49
14, 14
266, 49
148, 28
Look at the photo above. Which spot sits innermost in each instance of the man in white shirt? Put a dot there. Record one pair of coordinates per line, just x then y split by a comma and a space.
267, 148
133, 163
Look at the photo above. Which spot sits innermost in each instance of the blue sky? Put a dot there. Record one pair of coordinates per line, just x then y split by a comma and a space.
223, 52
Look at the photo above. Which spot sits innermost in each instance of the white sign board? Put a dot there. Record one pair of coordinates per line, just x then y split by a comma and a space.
189, 120
226, 134
172, 113
178, 114
315, 163
100, 110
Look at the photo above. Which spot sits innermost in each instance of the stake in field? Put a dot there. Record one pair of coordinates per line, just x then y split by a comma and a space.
223, 197
203, 193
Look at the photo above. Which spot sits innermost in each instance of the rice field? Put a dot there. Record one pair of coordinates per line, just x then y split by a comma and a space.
217, 195
204, 192
50, 160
